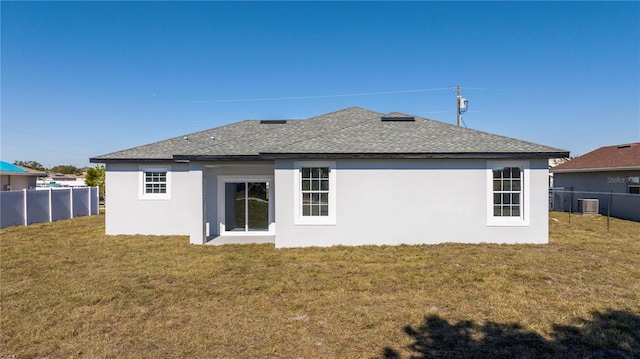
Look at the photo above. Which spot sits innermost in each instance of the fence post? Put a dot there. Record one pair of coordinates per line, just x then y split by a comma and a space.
70, 202
97, 199
609, 209
89, 200
50, 205
570, 205
24, 200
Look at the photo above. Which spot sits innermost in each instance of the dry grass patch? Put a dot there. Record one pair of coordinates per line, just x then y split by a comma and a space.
70, 291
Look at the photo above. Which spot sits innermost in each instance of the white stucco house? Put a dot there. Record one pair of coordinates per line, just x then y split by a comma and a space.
350, 177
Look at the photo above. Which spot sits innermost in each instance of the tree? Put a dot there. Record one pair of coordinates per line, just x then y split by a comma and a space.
67, 169
30, 164
95, 178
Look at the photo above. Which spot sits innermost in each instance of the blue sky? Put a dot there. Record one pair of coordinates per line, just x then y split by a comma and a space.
80, 79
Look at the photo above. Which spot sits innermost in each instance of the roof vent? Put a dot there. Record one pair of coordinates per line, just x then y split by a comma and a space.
273, 122
398, 119
624, 146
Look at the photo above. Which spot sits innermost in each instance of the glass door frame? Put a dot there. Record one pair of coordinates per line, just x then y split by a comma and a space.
222, 181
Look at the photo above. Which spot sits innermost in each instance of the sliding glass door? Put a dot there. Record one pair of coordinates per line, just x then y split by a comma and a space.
246, 206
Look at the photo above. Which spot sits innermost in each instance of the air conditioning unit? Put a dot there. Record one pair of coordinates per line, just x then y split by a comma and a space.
588, 205
8, 188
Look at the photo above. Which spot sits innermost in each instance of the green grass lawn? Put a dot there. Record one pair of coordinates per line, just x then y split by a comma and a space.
67, 290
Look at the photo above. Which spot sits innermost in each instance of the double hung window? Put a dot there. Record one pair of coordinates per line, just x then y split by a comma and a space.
315, 193
507, 193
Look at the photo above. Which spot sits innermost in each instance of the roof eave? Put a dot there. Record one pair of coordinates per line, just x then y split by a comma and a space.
326, 155
217, 157
137, 160
414, 155
603, 169
26, 174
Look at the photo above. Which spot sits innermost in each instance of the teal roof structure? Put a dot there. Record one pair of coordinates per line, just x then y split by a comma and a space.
8, 167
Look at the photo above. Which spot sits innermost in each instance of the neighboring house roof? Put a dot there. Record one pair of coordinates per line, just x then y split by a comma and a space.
350, 133
609, 158
7, 168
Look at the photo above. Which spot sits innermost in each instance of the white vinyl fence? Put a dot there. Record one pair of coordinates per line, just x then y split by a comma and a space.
22, 208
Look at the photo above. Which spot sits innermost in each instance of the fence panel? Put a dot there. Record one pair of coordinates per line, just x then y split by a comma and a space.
626, 207
37, 206
46, 205
60, 204
12, 211
81, 205
619, 205
95, 200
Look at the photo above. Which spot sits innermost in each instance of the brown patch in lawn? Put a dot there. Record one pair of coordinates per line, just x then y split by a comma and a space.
70, 291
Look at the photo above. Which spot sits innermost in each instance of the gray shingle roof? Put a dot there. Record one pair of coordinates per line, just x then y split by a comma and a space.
353, 131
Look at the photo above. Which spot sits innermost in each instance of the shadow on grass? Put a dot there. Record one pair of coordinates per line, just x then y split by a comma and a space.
608, 334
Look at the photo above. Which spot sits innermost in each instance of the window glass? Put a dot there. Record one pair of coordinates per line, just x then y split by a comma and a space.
507, 191
155, 182
634, 185
315, 191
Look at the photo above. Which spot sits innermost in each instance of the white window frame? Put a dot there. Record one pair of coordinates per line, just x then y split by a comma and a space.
299, 219
525, 199
141, 183
224, 179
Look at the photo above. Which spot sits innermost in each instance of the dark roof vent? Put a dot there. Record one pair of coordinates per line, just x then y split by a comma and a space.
273, 122
397, 118
624, 146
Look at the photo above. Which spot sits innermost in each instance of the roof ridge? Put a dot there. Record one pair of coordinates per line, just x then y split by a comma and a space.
613, 156
621, 145
340, 110
349, 130
323, 133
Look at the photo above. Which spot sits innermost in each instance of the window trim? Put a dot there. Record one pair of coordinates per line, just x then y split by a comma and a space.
525, 200
299, 219
142, 170
631, 185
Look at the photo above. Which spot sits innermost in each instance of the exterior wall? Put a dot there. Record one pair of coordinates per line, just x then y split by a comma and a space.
192, 203
17, 182
409, 202
377, 202
605, 181
623, 205
211, 173
181, 214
